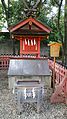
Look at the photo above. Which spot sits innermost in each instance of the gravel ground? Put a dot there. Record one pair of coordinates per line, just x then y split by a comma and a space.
8, 107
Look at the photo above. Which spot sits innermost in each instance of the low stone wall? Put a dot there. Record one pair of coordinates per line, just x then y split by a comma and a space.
6, 47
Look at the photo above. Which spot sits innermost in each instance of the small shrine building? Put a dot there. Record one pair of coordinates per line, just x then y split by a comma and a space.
30, 32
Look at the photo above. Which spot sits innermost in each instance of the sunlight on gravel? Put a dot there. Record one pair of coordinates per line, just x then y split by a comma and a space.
8, 106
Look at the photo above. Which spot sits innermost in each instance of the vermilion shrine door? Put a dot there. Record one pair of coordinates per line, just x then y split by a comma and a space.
30, 45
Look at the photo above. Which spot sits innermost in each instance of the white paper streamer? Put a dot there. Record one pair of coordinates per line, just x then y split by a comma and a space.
13, 90
25, 41
28, 42
32, 42
33, 93
25, 93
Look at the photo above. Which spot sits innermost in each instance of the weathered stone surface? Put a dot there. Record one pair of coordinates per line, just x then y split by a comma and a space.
45, 79
28, 67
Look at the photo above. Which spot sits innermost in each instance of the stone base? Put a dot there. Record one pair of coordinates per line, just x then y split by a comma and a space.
45, 79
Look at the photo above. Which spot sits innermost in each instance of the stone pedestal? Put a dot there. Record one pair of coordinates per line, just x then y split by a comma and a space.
45, 79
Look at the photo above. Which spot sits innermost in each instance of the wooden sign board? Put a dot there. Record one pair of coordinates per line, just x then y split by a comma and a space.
54, 49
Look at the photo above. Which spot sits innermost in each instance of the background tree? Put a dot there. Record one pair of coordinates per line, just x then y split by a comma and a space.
6, 10
58, 24
65, 38
17, 10
2, 18
33, 7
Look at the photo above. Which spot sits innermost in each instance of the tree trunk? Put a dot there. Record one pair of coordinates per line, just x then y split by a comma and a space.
65, 32
59, 29
59, 12
7, 11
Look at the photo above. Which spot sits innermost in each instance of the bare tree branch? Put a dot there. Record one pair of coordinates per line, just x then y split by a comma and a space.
57, 2
25, 4
38, 1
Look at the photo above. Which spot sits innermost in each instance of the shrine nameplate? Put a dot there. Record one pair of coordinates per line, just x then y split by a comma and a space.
54, 49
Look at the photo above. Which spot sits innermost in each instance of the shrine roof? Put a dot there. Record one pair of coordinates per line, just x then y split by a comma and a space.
35, 24
4, 31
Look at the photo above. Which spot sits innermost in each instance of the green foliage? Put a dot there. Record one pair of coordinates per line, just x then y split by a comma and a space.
4, 37
2, 17
55, 34
16, 13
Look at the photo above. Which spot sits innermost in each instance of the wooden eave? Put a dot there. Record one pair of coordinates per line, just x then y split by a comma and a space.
4, 33
27, 32
38, 24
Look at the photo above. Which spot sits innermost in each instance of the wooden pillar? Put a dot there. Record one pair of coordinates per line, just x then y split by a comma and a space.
54, 75
65, 88
38, 55
66, 93
21, 47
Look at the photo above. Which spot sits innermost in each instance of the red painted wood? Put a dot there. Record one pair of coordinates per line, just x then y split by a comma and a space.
41, 26
30, 52
38, 46
27, 48
60, 93
17, 37
21, 47
4, 60
37, 23
57, 95
66, 93
22, 23
4, 63
57, 78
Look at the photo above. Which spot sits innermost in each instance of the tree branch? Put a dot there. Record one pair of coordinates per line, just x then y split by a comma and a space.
56, 2
59, 12
59, 3
35, 6
4, 6
25, 4
7, 11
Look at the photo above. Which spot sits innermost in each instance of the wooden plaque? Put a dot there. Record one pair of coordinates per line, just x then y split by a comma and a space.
54, 49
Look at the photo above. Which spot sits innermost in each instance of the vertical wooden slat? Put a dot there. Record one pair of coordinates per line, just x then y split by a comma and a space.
23, 44
36, 46
38, 55
20, 47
